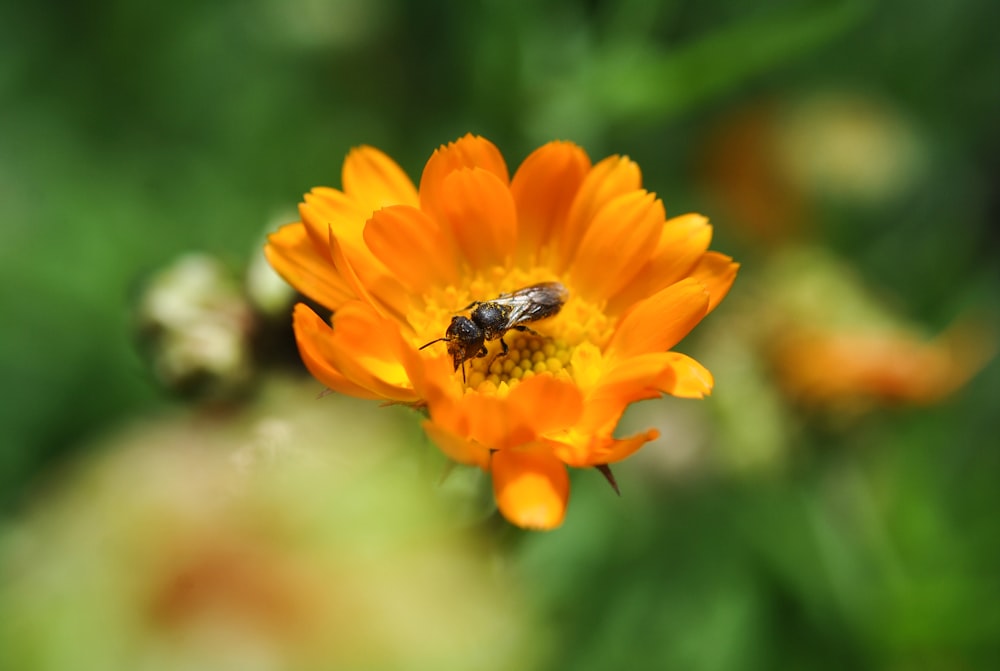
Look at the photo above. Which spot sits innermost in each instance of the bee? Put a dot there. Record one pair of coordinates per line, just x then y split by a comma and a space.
490, 320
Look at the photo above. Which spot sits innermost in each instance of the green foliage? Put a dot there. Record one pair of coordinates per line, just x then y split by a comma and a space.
130, 133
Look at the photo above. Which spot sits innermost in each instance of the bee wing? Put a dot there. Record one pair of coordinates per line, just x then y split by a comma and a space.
533, 303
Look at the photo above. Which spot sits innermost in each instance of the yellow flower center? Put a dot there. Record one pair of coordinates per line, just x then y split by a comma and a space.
550, 352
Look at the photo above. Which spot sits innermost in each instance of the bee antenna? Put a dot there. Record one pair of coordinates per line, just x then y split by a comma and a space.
431, 342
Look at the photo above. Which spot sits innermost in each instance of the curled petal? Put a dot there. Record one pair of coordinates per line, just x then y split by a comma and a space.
659, 322
314, 336
361, 347
309, 269
531, 486
369, 349
373, 180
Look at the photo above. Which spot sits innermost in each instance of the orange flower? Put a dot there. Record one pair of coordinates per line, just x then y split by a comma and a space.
395, 264
851, 369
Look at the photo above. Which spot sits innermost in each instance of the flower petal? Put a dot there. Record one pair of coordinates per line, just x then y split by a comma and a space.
628, 227
634, 379
683, 241
551, 404
582, 449
479, 212
470, 151
343, 235
535, 406
413, 247
659, 322
309, 269
373, 180
343, 227
531, 487
324, 208
369, 350
376, 287
313, 336
544, 188
651, 374
619, 448
483, 418
610, 178
691, 379
456, 448
717, 272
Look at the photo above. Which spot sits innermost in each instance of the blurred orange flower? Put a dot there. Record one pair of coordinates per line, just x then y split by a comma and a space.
850, 369
394, 264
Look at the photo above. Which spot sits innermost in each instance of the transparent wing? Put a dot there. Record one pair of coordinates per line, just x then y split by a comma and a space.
533, 303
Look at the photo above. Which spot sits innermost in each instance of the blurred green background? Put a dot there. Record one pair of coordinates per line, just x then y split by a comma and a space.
131, 133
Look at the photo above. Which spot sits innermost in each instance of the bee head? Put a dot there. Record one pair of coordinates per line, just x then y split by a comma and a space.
465, 339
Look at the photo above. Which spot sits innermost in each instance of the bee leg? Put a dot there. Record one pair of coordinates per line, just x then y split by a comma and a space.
463, 372
503, 344
525, 329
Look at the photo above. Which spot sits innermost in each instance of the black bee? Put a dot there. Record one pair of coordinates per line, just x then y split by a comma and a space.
490, 320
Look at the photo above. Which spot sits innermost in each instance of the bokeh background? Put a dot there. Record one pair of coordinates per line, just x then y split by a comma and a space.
848, 154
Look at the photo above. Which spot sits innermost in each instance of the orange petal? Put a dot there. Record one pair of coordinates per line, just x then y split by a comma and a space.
488, 420
618, 243
456, 448
548, 403
648, 375
531, 487
313, 337
691, 379
544, 187
717, 272
610, 178
373, 180
683, 241
533, 407
376, 286
413, 247
369, 350
618, 449
592, 450
310, 270
479, 212
324, 208
635, 378
659, 322
470, 151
